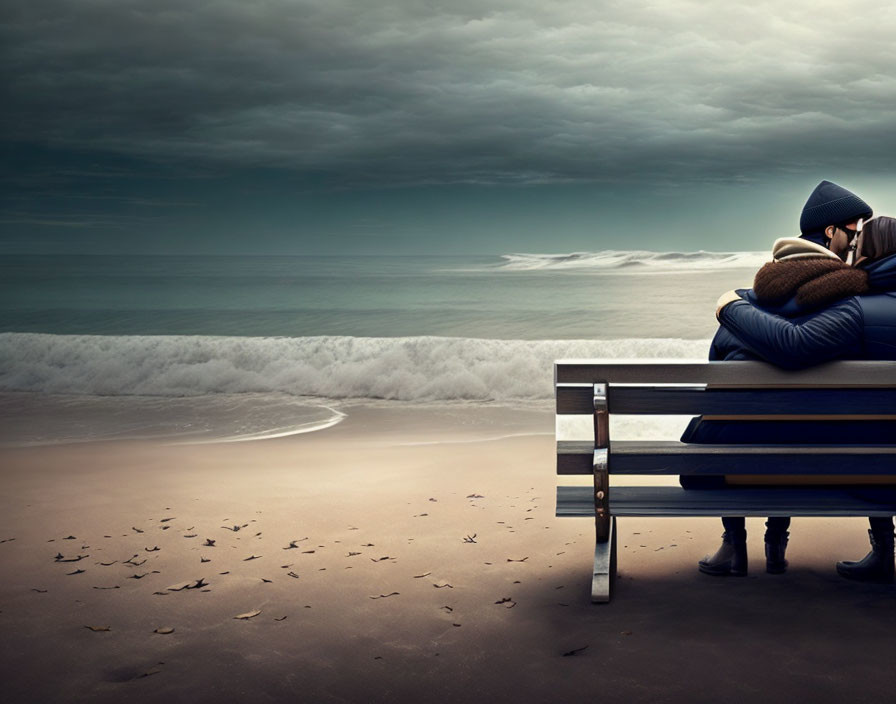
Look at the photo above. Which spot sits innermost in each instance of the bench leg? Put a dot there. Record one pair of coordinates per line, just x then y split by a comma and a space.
604, 567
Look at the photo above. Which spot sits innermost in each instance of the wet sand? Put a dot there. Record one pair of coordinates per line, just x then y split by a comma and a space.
402, 555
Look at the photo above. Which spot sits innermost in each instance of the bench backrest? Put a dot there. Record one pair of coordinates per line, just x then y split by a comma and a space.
854, 389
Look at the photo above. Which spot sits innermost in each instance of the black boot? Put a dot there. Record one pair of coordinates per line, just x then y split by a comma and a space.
775, 546
877, 565
730, 558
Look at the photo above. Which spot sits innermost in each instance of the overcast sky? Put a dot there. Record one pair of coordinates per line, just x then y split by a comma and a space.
312, 126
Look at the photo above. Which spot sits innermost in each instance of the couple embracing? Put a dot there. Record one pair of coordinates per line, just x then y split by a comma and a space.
830, 294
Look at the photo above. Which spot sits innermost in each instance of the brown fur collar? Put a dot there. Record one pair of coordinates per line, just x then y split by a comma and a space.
814, 282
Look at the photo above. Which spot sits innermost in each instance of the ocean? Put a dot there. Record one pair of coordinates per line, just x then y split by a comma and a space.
215, 348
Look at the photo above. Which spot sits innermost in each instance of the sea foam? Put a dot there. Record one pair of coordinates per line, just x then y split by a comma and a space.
420, 369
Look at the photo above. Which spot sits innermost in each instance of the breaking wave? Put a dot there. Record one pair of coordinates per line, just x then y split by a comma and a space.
420, 369
633, 260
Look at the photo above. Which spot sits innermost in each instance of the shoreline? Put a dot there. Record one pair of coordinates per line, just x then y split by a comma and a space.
37, 419
370, 517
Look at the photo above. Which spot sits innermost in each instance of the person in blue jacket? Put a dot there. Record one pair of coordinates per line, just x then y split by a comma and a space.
788, 319
831, 216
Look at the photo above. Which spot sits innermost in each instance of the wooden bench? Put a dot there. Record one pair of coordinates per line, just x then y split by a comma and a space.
858, 390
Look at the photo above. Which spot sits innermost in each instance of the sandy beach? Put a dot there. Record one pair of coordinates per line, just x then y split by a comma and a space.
401, 555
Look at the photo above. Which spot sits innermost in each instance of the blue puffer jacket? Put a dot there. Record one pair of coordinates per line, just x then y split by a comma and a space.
861, 327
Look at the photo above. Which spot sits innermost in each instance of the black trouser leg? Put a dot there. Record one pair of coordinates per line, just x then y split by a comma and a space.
776, 525
734, 525
881, 525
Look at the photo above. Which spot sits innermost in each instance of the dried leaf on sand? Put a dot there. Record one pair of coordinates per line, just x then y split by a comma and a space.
246, 616
188, 585
61, 558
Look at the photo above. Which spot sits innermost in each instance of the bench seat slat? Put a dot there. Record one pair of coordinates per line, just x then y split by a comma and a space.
673, 457
578, 501
657, 400
850, 373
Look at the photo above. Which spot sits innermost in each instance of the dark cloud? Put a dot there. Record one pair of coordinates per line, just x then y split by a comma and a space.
414, 92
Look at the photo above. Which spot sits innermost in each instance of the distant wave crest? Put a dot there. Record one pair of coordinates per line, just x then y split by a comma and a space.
649, 261
406, 368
